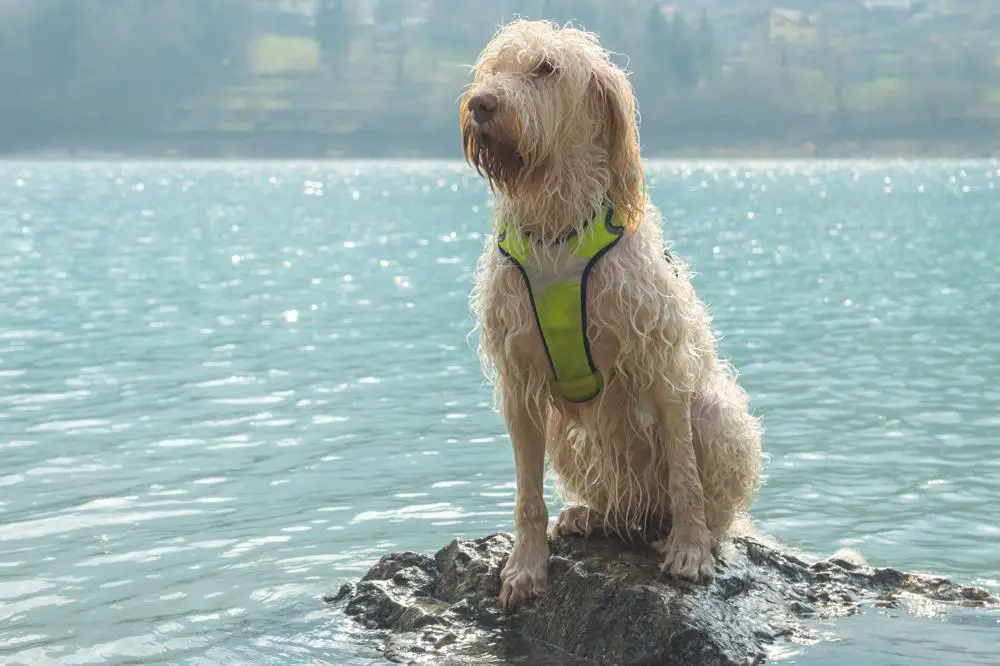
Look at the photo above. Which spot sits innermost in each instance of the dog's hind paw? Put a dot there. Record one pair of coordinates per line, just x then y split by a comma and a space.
578, 521
687, 559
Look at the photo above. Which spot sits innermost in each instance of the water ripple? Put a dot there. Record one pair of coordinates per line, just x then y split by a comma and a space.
225, 388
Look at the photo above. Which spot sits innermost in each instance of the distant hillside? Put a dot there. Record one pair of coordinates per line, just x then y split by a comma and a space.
318, 77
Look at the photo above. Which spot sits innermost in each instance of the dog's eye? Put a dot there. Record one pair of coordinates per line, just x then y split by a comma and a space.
544, 68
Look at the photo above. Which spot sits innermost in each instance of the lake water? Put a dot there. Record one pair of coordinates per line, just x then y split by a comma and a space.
227, 388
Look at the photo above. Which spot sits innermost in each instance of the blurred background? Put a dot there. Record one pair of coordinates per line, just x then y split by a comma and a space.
316, 78
228, 386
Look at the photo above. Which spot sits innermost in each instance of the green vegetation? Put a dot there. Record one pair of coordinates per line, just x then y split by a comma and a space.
252, 77
275, 54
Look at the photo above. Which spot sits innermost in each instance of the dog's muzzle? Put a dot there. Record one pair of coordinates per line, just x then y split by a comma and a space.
483, 107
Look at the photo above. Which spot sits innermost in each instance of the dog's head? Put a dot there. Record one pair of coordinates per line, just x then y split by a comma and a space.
543, 97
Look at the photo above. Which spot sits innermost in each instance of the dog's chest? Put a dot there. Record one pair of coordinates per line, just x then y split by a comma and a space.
523, 339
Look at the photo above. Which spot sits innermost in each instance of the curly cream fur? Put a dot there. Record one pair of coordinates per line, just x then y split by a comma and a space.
669, 443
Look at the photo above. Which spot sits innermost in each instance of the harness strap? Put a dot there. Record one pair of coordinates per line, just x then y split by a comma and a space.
558, 298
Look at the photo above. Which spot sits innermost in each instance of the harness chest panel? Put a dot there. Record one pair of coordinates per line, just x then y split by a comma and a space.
557, 287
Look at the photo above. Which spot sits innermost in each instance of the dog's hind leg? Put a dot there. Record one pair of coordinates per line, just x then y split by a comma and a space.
525, 574
727, 438
688, 548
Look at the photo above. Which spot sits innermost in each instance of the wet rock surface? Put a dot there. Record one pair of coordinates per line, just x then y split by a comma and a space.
608, 603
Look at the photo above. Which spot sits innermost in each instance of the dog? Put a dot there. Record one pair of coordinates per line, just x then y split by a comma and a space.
601, 354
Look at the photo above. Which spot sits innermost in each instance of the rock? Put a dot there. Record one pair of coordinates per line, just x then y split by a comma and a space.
608, 603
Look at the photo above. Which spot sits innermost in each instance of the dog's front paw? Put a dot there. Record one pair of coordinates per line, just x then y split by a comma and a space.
687, 558
525, 575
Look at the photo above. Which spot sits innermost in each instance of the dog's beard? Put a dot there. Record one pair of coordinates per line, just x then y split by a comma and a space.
495, 158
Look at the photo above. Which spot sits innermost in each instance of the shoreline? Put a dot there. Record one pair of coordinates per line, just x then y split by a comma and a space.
314, 149
679, 156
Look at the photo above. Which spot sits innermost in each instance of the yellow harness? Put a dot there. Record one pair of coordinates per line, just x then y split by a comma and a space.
558, 293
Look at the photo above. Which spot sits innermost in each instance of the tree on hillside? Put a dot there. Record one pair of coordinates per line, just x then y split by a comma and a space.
939, 93
334, 32
388, 13
833, 74
705, 46
223, 31
673, 54
654, 53
684, 62
55, 29
114, 66
787, 80
461, 22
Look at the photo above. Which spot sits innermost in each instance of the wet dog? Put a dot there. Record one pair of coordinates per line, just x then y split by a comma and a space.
643, 423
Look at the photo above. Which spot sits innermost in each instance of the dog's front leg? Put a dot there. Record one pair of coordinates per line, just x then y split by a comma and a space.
526, 572
688, 548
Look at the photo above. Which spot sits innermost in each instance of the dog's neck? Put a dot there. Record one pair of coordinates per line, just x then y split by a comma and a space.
559, 198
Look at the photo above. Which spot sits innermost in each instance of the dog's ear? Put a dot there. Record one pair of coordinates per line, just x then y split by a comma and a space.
628, 186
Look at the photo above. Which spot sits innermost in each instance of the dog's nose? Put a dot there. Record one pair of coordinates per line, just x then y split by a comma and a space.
484, 107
